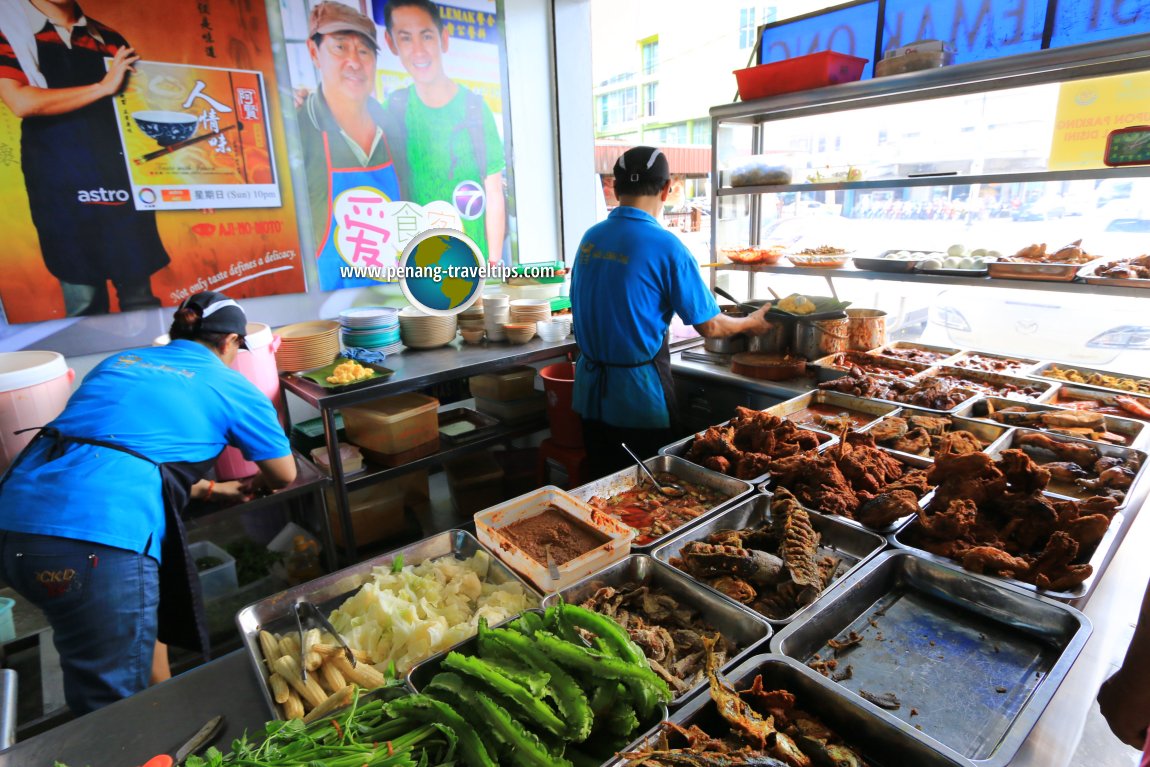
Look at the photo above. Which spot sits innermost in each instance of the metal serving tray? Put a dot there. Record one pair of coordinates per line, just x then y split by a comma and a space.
1099, 560
851, 543
869, 407
423, 672
1125, 427
1042, 371
482, 422
1047, 388
972, 661
987, 431
275, 614
946, 351
680, 447
1026, 364
742, 626
840, 361
882, 739
1089, 271
625, 479
1069, 490
1015, 270
1067, 393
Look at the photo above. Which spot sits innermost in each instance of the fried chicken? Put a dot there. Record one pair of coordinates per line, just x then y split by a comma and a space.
887, 508
917, 441
1023, 474
995, 561
959, 442
954, 521
1053, 569
889, 429
745, 446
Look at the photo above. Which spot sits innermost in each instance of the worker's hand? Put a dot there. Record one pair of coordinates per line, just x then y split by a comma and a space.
256, 486
228, 493
118, 70
1126, 706
756, 324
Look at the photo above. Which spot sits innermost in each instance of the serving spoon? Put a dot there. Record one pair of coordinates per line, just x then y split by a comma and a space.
669, 489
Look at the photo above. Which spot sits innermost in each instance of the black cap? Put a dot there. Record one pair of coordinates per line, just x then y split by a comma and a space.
642, 163
220, 314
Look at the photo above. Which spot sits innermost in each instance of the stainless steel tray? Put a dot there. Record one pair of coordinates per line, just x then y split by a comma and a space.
840, 361
1025, 363
947, 351
1042, 371
1072, 393
1126, 427
1087, 273
879, 737
1069, 490
625, 479
987, 431
274, 613
851, 543
680, 447
422, 673
741, 626
1098, 560
1012, 270
976, 660
1047, 388
483, 423
869, 407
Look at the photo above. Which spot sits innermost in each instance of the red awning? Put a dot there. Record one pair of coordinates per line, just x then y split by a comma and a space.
684, 160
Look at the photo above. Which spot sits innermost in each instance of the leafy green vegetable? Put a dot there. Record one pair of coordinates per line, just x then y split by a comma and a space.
253, 561
426, 709
397, 565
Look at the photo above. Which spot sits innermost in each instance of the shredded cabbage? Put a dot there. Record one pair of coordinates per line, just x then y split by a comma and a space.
404, 617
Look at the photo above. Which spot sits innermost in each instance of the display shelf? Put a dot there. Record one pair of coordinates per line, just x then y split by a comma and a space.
938, 279
309, 481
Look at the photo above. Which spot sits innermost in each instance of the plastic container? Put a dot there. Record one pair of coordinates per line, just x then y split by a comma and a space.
506, 385
488, 523
393, 425
351, 459
559, 384
7, 619
308, 435
476, 482
513, 411
220, 579
34, 388
798, 74
378, 511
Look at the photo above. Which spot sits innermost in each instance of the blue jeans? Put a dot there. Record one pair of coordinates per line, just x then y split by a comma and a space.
101, 603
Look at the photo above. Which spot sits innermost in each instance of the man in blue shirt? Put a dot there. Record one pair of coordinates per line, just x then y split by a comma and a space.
630, 276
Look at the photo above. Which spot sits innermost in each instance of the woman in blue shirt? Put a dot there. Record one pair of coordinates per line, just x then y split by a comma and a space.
90, 528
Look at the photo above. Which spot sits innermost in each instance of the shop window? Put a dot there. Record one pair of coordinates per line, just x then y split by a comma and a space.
650, 50
649, 99
747, 28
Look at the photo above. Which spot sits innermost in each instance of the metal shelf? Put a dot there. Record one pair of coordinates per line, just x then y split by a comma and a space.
944, 180
939, 279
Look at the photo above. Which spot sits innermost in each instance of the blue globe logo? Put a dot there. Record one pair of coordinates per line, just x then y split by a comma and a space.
442, 271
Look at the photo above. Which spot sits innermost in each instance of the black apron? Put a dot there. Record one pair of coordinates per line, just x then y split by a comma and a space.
662, 363
182, 620
78, 154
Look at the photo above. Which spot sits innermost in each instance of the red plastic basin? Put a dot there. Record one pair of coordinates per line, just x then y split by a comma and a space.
799, 74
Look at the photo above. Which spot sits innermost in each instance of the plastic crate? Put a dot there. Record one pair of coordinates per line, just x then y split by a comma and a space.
798, 74
393, 425
218, 580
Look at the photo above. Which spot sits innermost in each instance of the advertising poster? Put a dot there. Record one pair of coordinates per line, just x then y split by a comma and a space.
1088, 110
101, 161
401, 110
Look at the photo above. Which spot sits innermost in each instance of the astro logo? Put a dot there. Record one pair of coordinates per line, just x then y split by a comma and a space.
102, 196
147, 196
469, 199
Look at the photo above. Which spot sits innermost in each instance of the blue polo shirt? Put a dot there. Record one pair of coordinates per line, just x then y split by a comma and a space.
172, 403
630, 276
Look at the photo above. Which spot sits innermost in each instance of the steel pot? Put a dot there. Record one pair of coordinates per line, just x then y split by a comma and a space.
729, 345
774, 341
866, 329
819, 338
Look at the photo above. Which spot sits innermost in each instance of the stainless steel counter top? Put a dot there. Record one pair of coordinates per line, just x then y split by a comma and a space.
782, 390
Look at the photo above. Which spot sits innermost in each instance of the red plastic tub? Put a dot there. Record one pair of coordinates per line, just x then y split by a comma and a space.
799, 74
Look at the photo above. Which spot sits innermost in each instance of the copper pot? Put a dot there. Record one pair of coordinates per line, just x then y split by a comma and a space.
818, 338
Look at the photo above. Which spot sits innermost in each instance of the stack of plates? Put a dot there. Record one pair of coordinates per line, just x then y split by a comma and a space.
423, 331
496, 314
307, 345
472, 317
371, 327
530, 310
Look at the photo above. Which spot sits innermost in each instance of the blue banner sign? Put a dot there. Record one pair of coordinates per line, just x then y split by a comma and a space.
978, 29
1083, 21
849, 29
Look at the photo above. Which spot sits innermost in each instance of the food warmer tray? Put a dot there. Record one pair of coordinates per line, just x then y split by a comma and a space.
947, 351
1041, 372
882, 739
1080, 392
833, 399
1047, 387
680, 447
1066, 490
1017, 270
987, 431
1099, 560
483, 423
739, 624
275, 613
955, 272
1126, 427
1087, 273
423, 672
972, 661
881, 264
1027, 364
627, 478
851, 542
909, 369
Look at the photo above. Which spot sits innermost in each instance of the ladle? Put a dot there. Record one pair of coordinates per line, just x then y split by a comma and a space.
724, 294
669, 489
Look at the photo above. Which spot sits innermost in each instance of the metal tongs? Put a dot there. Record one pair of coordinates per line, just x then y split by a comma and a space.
303, 611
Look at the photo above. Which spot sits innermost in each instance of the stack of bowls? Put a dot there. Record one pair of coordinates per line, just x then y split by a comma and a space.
519, 332
530, 310
307, 345
472, 317
496, 314
371, 327
564, 320
551, 331
424, 331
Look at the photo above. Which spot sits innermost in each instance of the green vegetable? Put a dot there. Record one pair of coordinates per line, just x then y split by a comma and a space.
253, 561
613, 635
207, 563
528, 623
397, 565
538, 712
429, 710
